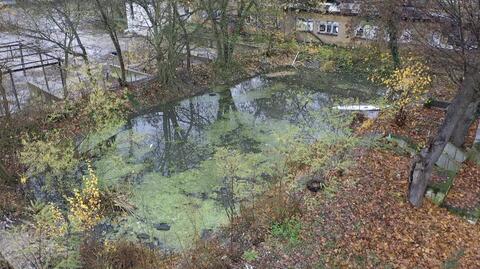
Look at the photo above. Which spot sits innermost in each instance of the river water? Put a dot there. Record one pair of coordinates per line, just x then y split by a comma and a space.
179, 160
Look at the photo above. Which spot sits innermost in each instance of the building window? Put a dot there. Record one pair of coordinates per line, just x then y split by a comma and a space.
335, 28
310, 25
322, 27
366, 31
359, 32
328, 27
304, 25
406, 36
438, 40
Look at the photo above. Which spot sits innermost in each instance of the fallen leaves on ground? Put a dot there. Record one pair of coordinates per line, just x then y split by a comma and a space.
465, 192
369, 224
420, 126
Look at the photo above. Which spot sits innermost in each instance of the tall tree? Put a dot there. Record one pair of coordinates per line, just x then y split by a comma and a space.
387, 15
164, 34
110, 12
3, 93
460, 21
227, 20
56, 23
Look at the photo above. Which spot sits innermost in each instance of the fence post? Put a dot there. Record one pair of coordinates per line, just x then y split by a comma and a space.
15, 91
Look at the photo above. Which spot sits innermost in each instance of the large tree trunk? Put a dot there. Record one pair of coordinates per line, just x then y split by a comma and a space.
463, 126
392, 29
64, 68
422, 166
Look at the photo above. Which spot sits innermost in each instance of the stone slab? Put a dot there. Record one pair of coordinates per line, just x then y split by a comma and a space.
455, 153
447, 163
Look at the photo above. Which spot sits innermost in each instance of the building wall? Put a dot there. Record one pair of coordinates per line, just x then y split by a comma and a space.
7, 2
344, 36
423, 31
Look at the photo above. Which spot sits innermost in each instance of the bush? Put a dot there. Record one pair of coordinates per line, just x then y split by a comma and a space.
46, 241
406, 86
52, 157
121, 255
289, 46
333, 57
287, 230
105, 109
85, 205
250, 255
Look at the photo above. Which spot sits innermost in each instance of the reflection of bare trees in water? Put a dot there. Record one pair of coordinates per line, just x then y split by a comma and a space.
175, 146
173, 135
226, 104
179, 129
226, 196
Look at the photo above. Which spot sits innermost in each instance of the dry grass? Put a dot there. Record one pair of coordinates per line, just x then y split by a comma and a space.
248, 230
122, 255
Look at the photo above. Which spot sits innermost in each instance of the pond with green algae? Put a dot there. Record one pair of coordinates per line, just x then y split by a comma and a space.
191, 162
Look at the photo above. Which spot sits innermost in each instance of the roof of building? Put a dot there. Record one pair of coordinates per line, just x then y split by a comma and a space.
352, 8
343, 7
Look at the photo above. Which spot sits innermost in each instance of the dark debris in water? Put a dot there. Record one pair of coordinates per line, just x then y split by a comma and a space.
162, 226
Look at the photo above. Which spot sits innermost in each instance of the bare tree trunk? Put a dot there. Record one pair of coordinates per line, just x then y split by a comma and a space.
3, 92
422, 166
66, 55
121, 62
186, 40
392, 29
112, 32
189, 53
74, 32
463, 125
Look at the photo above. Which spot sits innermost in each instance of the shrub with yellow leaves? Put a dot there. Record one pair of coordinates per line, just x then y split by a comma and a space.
85, 205
48, 220
366, 125
406, 86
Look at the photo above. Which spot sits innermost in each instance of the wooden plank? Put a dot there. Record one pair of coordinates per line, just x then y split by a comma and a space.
14, 89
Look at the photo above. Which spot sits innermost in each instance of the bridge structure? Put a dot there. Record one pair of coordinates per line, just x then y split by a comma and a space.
16, 59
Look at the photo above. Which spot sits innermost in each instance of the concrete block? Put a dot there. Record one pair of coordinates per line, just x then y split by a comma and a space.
455, 153
447, 163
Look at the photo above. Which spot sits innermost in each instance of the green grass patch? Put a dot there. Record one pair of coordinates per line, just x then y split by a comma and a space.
288, 230
250, 255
